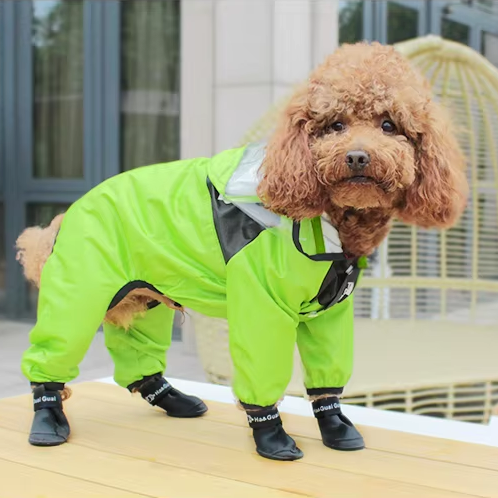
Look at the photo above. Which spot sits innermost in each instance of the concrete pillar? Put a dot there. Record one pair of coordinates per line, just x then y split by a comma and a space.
239, 57
197, 73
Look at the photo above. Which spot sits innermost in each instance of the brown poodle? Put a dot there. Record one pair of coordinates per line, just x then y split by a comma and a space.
359, 144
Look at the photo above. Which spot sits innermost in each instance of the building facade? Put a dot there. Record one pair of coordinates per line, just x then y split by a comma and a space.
91, 88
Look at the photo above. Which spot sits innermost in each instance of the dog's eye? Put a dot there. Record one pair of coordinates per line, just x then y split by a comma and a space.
388, 126
337, 126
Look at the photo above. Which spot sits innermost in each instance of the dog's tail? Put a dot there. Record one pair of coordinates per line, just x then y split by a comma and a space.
34, 246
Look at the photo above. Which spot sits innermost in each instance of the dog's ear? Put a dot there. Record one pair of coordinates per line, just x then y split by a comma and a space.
438, 196
290, 184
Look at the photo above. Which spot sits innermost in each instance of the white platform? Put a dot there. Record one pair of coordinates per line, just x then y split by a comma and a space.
414, 424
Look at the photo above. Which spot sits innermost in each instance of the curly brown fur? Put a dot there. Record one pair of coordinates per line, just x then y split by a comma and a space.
416, 170
34, 246
361, 230
135, 303
241, 407
66, 393
316, 397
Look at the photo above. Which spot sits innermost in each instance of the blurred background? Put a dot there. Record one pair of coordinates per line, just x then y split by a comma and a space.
91, 88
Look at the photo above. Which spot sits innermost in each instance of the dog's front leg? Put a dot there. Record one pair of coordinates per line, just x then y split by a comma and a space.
326, 348
262, 338
269, 434
337, 431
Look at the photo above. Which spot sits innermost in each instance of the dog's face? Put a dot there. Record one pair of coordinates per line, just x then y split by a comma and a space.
364, 162
364, 133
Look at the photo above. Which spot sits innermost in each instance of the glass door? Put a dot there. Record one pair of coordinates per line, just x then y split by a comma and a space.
390, 22
394, 21
57, 64
2, 177
87, 89
56, 166
47, 115
403, 20
2, 257
149, 86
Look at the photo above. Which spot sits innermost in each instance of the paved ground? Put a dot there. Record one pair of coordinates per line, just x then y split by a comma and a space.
97, 363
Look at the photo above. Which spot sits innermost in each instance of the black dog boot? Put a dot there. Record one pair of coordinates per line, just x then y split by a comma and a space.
157, 391
50, 426
269, 435
337, 430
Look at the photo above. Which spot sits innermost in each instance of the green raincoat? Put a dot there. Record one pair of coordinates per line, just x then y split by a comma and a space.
195, 231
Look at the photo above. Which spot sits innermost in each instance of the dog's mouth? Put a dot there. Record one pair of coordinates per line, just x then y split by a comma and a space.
361, 179
362, 192
369, 181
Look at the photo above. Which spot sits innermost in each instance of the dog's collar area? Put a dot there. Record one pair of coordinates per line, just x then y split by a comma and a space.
326, 256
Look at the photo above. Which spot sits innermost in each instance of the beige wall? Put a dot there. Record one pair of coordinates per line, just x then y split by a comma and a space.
239, 56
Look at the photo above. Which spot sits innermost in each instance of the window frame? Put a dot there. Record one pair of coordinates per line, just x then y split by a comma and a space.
476, 20
101, 127
430, 16
375, 18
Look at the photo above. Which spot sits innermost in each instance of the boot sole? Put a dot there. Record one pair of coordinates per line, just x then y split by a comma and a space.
193, 414
339, 448
286, 459
46, 443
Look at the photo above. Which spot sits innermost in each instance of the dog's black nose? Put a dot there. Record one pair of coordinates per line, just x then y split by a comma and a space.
357, 160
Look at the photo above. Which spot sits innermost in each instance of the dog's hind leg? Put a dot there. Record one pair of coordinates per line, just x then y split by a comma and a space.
77, 284
139, 356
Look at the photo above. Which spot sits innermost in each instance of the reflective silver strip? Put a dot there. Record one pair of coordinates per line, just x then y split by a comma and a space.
244, 181
241, 191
